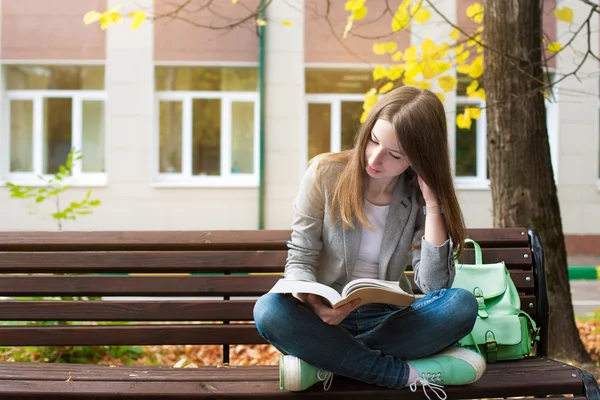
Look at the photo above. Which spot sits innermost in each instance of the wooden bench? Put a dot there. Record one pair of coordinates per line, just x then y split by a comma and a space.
81, 264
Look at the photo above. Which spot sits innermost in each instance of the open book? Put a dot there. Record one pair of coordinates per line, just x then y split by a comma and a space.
366, 289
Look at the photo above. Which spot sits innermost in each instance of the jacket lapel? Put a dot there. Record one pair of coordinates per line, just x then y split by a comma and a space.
400, 209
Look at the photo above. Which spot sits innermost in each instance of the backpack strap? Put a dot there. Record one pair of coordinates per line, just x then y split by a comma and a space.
482, 312
491, 347
533, 325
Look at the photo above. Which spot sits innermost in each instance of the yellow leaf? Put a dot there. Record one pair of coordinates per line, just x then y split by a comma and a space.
359, 13
475, 12
441, 97
473, 112
395, 72
476, 68
90, 17
379, 73
410, 54
138, 18
430, 69
464, 69
462, 57
401, 20
364, 116
564, 14
105, 21
352, 5
478, 93
429, 48
555, 47
479, 29
234, 1
390, 47
463, 121
287, 23
397, 56
261, 22
112, 10
386, 88
185, 363
479, 49
460, 48
473, 86
424, 85
379, 49
412, 69
447, 83
416, 7
443, 66
454, 34
422, 16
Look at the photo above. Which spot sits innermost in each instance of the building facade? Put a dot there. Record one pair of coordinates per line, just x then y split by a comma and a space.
169, 117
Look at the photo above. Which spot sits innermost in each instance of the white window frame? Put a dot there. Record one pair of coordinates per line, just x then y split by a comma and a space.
335, 128
480, 181
78, 178
226, 178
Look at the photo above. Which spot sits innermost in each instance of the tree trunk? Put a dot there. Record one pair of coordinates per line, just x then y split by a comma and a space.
522, 182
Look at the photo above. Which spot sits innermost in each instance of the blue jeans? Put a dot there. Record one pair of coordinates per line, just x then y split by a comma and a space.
373, 342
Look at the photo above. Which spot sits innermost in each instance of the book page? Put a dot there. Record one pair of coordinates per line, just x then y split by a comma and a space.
372, 283
294, 286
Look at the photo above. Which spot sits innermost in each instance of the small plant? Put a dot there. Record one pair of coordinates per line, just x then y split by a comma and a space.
55, 186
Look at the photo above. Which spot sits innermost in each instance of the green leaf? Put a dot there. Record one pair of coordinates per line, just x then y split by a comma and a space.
62, 170
94, 203
88, 194
39, 199
10, 184
84, 212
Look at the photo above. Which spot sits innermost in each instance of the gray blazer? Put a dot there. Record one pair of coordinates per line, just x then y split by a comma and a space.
319, 251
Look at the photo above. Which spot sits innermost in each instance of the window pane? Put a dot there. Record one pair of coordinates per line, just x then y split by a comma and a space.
337, 80
170, 136
57, 133
21, 136
54, 77
93, 136
206, 137
242, 137
319, 129
466, 149
351, 112
235, 79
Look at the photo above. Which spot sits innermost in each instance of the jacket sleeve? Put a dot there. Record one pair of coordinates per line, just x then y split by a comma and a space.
305, 244
433, 266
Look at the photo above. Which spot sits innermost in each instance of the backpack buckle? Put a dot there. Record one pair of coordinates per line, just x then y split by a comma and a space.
478, 293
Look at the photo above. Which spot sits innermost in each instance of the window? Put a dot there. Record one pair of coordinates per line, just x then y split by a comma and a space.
334, 99
470, 147
50, 109
207, 130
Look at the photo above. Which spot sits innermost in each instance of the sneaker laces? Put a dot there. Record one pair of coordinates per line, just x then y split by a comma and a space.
326, 377
435, 388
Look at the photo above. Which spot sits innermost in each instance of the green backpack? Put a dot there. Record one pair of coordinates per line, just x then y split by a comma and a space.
502, 330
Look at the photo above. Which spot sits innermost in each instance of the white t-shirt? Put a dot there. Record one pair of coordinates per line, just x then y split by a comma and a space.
367, 262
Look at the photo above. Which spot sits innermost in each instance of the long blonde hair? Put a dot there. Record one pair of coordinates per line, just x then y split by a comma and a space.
419, 119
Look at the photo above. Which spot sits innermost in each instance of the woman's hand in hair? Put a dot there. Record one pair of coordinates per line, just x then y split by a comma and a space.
331, 316
430, 197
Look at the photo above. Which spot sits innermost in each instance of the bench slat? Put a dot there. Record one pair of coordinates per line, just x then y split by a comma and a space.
143, 261
129, 335
193, 261
539, 380
179, 310
144, 240
200, 240
91, 372
234, 285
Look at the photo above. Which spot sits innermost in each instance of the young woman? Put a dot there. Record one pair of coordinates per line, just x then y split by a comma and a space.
360, 214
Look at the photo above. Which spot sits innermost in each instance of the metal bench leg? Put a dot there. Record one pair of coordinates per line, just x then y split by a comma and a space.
590, 386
